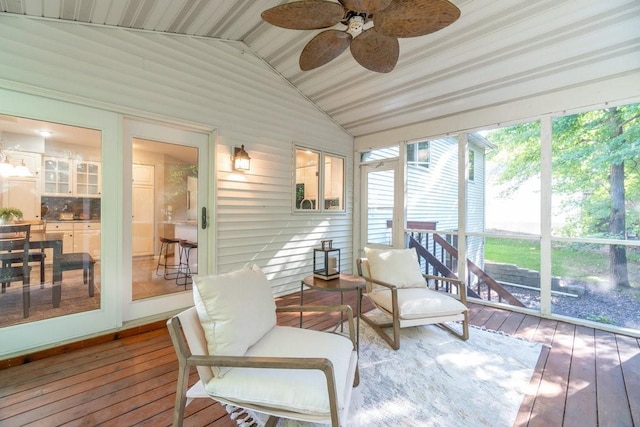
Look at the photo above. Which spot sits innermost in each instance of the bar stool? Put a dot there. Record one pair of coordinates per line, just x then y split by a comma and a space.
165, 245
184, 269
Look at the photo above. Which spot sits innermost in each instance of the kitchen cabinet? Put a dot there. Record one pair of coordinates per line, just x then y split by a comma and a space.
21, 193
78, 237
67, 239
87, 179
57, 177
143, 174
77, 178
142, 214
86, 238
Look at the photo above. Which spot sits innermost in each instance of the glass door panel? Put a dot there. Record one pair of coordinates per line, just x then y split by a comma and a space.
36, 156
167, 232
164, 217
379, 204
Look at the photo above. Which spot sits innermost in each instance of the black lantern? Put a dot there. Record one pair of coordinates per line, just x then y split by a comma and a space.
326, 261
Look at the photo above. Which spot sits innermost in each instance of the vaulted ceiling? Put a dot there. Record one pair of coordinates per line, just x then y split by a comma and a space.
499, 51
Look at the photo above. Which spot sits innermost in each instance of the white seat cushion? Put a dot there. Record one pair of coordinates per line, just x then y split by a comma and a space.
289, 389
417, 303
399, 267
235, 310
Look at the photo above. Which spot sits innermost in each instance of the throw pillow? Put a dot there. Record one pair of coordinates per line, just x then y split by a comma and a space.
235, 310
398, 267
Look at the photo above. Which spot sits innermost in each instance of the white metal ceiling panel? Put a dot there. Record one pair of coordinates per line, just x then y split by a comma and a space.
496, 52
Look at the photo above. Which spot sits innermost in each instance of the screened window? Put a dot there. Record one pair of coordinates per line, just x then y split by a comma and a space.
472, 165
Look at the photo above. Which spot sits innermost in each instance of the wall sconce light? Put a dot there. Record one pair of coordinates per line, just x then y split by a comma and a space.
241, 159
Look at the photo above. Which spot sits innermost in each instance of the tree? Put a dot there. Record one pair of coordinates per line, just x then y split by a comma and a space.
595, 162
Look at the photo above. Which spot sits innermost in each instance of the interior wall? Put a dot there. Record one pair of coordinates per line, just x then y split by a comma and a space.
214, 84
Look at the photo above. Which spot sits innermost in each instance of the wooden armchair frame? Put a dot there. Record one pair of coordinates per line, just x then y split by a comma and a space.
397, 322
186, 360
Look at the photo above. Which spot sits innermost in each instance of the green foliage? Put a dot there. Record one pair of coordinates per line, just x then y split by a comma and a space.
8, 214
585, 147
600, 319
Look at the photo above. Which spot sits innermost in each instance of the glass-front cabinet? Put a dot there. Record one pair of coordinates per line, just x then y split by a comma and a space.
87, 179
65, 177
57, 177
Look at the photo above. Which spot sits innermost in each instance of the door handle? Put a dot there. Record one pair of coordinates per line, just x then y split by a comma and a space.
204, 217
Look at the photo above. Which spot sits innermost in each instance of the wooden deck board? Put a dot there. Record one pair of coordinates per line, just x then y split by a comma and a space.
612, 400
584, 377
580, 409
630, 364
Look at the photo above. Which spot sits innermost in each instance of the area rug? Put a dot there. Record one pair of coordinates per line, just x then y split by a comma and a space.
434, 379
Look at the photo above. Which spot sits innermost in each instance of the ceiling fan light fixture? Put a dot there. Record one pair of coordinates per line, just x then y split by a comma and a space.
373, 25
355, 25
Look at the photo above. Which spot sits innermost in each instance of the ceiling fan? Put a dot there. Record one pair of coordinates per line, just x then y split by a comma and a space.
372, 27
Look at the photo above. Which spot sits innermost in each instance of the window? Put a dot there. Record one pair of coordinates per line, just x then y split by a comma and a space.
318, 188
418, 154
472, 165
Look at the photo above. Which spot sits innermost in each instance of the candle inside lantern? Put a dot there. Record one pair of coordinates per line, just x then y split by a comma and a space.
333, 265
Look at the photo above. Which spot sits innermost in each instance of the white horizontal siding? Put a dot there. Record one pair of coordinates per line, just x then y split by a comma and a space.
212, 83
432, 193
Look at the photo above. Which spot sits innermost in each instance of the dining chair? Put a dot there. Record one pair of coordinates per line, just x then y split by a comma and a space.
14, 242
400, 291
37, 225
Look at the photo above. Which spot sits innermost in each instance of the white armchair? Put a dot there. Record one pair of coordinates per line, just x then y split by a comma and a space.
244, 359
397, 287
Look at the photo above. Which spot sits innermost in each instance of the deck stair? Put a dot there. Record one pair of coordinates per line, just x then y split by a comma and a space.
483, 287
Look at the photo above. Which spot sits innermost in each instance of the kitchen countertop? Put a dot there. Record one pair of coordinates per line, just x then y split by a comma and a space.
192, 222
72, 221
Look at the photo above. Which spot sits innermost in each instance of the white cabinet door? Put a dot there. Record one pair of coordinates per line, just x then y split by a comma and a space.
57, 177
87, 179
142, 220
22, 194
67, 239
86, 238
143, 174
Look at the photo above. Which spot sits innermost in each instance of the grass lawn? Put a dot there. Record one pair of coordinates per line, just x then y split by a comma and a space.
578, 261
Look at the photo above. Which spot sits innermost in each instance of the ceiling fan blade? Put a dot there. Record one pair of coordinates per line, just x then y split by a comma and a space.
376, 51
323, 48
304, 15
370, 6
413, 18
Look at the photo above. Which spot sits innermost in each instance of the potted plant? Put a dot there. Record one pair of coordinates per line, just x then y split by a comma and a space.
8, 215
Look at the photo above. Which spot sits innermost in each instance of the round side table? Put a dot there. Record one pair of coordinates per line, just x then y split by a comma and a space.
344, 283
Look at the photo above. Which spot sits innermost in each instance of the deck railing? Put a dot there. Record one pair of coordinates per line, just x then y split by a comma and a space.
442, 261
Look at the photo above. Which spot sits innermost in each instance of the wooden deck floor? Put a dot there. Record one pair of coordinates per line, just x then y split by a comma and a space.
586, 378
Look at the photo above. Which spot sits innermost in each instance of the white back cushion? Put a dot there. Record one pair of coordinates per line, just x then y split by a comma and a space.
397, 267
235, 310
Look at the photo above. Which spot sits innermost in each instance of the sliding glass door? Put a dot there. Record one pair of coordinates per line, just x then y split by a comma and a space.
169, 216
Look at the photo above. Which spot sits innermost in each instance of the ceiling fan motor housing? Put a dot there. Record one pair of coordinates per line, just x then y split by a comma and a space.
355, 25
